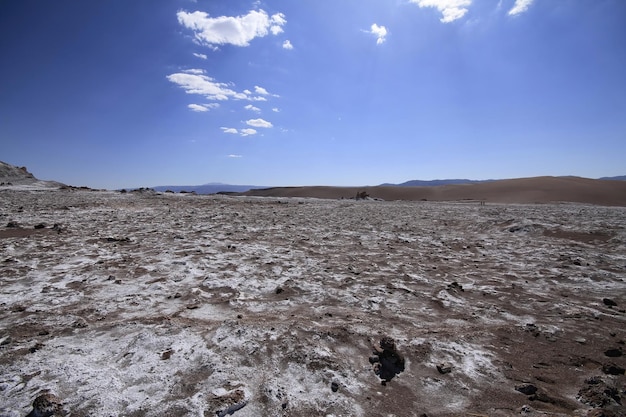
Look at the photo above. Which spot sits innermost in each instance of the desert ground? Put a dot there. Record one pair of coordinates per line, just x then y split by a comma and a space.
147, 304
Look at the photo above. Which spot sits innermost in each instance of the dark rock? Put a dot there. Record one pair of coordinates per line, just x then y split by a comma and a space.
47, 405
609, 302
390, 361
13, 224
38, 346
40, 226
334, 386
455, 287
598, 393
613, 353
526, 389
444, 368
167, 354
279, 290
613, 369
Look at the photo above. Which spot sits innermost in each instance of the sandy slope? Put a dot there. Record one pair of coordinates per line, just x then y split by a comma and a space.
521, 190
180, 305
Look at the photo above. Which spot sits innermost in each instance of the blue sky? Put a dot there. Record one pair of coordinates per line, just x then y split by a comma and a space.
114, 94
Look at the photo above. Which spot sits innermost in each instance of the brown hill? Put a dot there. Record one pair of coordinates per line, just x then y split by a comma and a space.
520, 190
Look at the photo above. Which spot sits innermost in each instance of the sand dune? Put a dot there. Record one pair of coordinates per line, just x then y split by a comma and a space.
521, 190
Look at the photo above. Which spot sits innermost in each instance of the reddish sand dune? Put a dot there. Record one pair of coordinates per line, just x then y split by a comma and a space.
521, 190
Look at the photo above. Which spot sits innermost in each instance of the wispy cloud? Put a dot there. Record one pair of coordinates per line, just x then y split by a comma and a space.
233, 30
203, 107
287, 45
195, 81
252, 108
259, 123
199, 83
232, 155
201, 56
248, 132
380, 32
450, 9
520, 6
230, 130
276, 110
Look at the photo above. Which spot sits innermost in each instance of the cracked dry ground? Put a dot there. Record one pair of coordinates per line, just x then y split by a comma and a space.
145, 304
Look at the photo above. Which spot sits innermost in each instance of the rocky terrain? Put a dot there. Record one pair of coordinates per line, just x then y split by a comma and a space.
147, 304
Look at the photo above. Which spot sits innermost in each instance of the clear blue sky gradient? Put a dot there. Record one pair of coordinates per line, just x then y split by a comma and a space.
119, 94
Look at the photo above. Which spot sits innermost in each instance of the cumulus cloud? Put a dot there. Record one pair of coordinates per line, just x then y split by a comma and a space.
233, 30
450, 9
260, 90
520, 6
201, 56
287, 45
259, 123
276, 110
248, 132
231, 130
252, 108
380, 32
203, 107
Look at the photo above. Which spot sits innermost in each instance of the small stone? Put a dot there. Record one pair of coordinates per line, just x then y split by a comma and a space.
613, 353
167, 354
444, 368
334, 386
612, 369
36, 347
609, 302
526, 389
278, 290
47, 405
40, 226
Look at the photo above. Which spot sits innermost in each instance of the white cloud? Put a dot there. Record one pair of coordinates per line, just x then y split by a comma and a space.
380, 32
252, 108
259, 123
194, 83
194, 71
287, 45
260, 90
276, 110
520, 6
234, 30
248, 132
229, 130
203, 107
450, 9
278, 19
235, 156
201, 56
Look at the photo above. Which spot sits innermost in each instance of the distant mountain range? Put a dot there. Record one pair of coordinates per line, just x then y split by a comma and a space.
434, 183
214, 188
